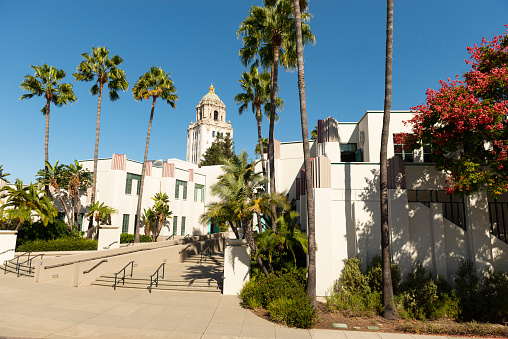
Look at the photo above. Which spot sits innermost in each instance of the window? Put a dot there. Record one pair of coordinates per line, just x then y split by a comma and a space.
197, 189
79, 220
348, 152
215, 115
177, 189
61, 216
213, 134
125, 223
498, 212
401, 150
175, 224
453, 206
427, 153
128, 183
182, 227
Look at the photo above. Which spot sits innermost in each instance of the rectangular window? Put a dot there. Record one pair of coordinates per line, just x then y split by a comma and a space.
182, 230
427, 153
125, 223
348, 152
199, 190
177, 189
175, 225
128, 183
401, 150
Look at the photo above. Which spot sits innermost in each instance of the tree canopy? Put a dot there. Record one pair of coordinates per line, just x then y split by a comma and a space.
465, 122
220, 150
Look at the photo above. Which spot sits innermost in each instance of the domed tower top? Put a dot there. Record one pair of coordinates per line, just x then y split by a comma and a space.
211, 107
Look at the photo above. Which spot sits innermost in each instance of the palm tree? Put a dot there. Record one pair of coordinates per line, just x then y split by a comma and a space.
153, 84
256, 89
78, 179
100, 213
46, 82
160, 213
264, 142
313, 133
3, 175
103, 70
389, 311
311, 221
268, 34
56, 177
240, 194
24, 202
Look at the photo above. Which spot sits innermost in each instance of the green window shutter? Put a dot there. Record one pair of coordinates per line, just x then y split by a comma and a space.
184, 190
182, 230
125, 223
175, 224
202, 193
128, 185
196, 187
177, 190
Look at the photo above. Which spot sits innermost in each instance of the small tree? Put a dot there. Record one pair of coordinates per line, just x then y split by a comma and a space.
156, 216
101, 214
222, 148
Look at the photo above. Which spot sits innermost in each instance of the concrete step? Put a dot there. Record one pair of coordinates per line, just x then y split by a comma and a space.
167, 282
161, 287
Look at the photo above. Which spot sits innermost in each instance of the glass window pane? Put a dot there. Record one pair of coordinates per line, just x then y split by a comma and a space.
175, 224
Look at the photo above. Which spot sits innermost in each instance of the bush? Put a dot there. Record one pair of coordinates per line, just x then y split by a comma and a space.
467, 286
283, 295
37, 231
494, 297
293, 312
60, 244
375, 275
351, 293
126, 238
421, 298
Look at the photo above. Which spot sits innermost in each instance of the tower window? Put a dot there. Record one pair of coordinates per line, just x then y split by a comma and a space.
213, 134
215, 115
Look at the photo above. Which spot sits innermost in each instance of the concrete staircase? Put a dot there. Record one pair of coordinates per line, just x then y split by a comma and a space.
196, 274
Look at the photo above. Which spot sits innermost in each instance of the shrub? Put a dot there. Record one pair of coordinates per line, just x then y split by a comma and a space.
351, 293
467, 286
421, 298
60, 244
37, 231
127, 238
494, 297
375, 275
293, 312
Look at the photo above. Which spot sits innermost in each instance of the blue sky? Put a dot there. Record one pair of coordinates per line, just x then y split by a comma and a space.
196, 41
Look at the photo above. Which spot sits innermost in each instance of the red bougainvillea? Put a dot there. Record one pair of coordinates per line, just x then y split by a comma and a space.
465, 122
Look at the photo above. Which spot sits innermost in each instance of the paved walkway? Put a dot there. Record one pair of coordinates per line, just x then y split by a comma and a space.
57, 310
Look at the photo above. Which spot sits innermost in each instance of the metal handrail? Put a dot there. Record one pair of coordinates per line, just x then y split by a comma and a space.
17, 260
28, 262
156, 281
107, 247
95, 266
186, 247
11, 249
209, 250
168, 238
123, 277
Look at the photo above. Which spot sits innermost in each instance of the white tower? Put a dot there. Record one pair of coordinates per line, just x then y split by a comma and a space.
210, 122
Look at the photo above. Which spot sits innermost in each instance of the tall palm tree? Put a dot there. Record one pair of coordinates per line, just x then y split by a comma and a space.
268, 33
46, 82
389, 311
23, 202
99, 68
153, 84
311, 221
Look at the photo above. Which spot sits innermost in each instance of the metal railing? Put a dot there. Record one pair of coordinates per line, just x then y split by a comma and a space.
10, 249
204, 254
107, 247
95, 266
123, 277
28, 262
156, 280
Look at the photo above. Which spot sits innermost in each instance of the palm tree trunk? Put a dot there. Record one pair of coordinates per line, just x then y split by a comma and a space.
311, 281
143, 171
96, 152
260, 138
46, 143
389, 311
273, 102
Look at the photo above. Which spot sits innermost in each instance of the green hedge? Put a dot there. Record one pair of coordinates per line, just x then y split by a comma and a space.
127, 238
61, 244
37, 231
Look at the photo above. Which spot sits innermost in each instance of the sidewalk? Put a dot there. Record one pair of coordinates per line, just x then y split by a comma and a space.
56, 310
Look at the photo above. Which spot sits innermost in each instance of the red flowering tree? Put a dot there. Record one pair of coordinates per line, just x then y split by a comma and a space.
465, 122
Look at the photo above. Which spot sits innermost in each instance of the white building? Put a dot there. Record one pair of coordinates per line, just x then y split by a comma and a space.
210, 123
426, 224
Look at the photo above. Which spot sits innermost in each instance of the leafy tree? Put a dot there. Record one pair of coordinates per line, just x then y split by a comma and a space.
24, 202
240, 198
256, 91
101, 214
46, 82
100, 68
265, 146
465, 122
268, 33
153, 84
389, 311
311, 220
220, 150
79, 179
